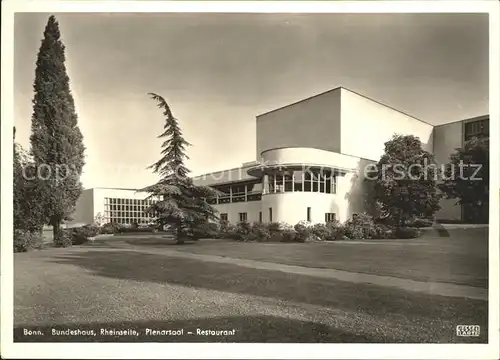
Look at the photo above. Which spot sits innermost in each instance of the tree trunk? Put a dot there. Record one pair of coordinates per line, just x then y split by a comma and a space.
56, 228
180, 238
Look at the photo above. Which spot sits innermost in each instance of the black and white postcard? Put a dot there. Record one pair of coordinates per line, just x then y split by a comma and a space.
250, 179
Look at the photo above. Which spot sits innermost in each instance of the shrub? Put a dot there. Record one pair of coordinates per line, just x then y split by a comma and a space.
227, 230
304, 231
407, 233
276, 227
110, 228
260, 232
353, 231
206, 230
243, 231
78, 236
126, 229
420, 223
288, 235
361, 226
26, 240
321, 231
64, 238
334, 231
90, 230
381, 231
276, 230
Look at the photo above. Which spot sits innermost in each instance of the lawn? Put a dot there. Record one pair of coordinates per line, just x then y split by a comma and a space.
104, 287
461, 258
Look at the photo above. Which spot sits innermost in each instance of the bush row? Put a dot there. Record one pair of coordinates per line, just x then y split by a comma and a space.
77, 235
361, 227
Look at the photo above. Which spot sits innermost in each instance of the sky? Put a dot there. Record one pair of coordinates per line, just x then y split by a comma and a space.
218, 71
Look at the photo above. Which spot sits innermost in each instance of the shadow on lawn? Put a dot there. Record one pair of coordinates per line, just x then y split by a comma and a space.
247, 329
388, 303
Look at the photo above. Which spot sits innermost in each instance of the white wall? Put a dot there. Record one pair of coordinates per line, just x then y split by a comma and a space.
366, 125
291, 207
313, 123
252, 208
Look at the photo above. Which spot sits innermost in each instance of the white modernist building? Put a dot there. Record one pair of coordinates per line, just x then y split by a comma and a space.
309, 163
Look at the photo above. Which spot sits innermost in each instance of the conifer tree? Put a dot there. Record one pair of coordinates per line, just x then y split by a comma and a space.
56, 141
181, 204
28, 210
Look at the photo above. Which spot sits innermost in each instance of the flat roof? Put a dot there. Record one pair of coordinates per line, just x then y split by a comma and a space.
245, 165
111, 188
352, 91
480, 117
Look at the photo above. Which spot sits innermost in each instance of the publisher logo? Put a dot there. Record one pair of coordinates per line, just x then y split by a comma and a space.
468, 330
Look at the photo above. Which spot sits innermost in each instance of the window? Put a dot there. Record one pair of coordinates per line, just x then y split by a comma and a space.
243, 216
127, 214
479, 128
308, 181
279, 181
288, 179
330, 217
298, 180
308, 214
238, 190
315, 181
260, 216
270, 214
238, 193
223, 217
311, 180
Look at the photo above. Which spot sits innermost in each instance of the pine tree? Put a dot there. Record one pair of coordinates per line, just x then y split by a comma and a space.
56, 141
181, 204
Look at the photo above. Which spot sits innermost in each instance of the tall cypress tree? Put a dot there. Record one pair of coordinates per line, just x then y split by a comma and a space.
182, 204
56, 141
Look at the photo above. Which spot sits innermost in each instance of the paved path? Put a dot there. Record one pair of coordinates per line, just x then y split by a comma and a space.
433, 288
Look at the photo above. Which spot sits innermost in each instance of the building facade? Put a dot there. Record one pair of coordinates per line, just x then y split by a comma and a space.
447, 138
310, 161
109, 205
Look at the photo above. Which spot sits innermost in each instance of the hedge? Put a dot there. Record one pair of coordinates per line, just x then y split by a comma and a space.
361, 227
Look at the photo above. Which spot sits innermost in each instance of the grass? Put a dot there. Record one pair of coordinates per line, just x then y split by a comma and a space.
459, 259
83, 288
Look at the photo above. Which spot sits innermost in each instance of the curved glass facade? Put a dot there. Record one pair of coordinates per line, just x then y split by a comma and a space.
320, 181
